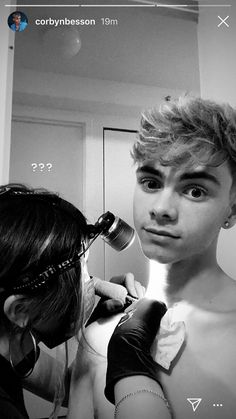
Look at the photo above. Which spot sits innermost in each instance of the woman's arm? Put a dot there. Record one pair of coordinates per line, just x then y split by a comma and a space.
132, 375
140, 397
89, 366
87, 398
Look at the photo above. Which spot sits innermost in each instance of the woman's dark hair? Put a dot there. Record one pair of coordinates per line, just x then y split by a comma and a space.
39, 229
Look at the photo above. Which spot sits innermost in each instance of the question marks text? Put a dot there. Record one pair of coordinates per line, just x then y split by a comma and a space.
41, 167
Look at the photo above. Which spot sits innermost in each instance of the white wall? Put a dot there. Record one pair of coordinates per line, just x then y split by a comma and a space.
6, 73
60, 91
145, 47
217, 59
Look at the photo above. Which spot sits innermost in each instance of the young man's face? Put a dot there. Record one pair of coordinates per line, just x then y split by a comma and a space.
178, 212
17, 19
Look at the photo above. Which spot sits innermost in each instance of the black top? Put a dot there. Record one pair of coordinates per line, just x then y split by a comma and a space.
12, 404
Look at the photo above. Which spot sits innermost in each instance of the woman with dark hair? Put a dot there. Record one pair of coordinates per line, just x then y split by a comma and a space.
46, 294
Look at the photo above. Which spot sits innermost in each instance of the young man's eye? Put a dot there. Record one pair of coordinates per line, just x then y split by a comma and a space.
149, 184
195, 192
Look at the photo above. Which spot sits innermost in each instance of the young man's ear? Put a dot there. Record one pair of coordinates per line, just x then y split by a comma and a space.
16, 311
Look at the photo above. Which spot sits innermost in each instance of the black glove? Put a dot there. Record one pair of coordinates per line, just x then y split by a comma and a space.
130, 344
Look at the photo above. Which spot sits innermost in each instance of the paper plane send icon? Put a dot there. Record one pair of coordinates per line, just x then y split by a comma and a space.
194, 402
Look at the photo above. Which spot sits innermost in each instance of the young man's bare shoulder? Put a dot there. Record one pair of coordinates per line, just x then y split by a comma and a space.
98, 334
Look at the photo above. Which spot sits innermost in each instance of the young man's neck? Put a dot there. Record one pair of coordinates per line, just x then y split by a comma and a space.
199, 281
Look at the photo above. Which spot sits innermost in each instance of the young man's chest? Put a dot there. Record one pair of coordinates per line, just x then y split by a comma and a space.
205, 369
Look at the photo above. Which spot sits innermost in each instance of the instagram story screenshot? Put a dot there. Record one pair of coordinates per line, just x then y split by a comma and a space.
117, 209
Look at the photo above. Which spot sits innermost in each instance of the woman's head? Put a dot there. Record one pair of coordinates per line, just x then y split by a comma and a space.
38, 230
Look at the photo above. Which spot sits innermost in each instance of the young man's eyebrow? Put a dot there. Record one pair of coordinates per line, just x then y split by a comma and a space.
186, 176
200, 175
150, 170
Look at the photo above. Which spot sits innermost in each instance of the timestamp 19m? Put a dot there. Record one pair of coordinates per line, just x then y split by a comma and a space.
107, 21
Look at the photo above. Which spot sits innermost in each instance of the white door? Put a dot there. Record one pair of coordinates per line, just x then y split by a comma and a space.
119, 183
48, 154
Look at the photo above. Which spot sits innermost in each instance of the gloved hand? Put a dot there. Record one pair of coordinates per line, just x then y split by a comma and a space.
130, 344
115, 295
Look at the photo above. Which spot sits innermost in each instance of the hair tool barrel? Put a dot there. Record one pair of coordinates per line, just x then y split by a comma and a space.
114, 231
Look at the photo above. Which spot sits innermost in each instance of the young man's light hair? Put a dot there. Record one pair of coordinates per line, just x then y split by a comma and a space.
188, 131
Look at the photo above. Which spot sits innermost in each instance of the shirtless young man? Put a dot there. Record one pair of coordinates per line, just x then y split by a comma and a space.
185, 193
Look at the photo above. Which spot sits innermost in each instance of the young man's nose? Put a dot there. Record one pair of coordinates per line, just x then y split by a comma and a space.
164, 207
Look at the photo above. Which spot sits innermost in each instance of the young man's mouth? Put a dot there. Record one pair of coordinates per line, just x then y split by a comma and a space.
162, 233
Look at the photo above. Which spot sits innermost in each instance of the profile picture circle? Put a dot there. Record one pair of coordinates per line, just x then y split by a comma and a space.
17, 21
